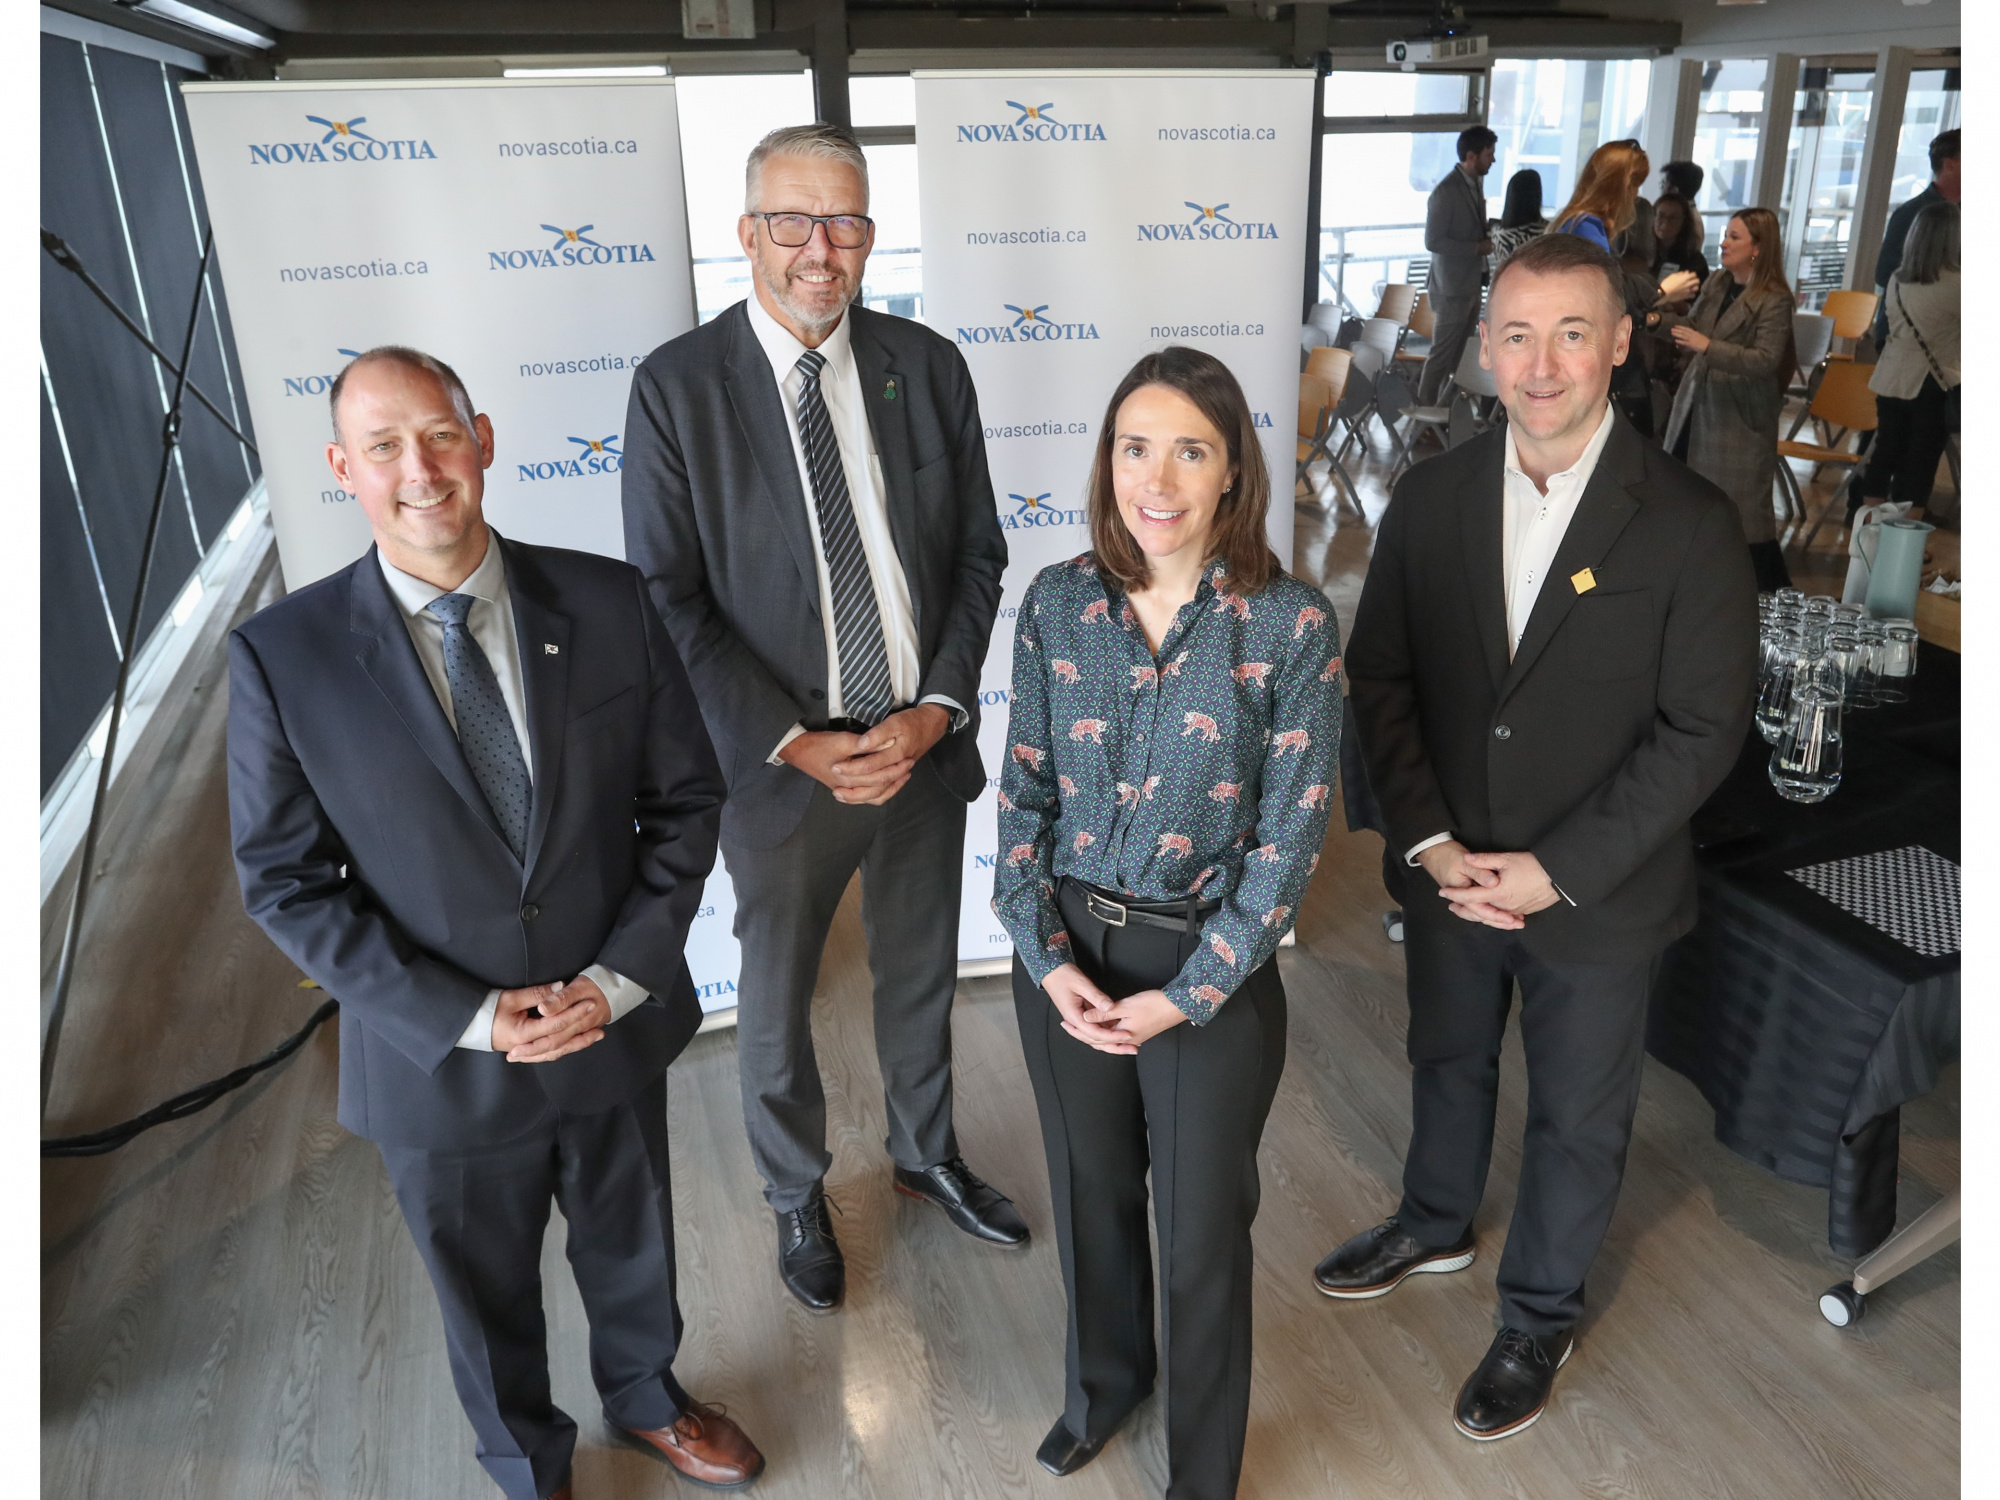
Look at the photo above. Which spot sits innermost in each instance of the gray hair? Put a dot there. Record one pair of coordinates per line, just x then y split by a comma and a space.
822, 142
1932, 247
415, 359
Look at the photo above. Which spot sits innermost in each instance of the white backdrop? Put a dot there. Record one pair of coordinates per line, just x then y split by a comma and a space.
530, 233
1072, 221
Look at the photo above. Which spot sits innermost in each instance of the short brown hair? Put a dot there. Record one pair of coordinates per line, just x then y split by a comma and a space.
1552, 254
1238, 539
415, 359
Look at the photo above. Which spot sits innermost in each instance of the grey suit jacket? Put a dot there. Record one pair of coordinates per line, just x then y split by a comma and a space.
1454, 225
715, 516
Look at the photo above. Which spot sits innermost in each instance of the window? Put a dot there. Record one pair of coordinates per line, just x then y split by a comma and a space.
1551, 113
1930, 110
1823, 176
894, 280
1378, 96
728, 114
1726, 127
1374, 190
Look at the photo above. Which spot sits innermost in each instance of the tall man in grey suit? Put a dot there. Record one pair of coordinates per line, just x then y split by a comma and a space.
1455, 235
468, 796
805, 488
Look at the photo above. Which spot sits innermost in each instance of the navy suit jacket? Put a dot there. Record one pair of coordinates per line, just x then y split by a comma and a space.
367, 852
715, 514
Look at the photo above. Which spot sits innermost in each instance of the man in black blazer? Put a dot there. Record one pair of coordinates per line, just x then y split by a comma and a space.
805, 489
1553, 665
471, 797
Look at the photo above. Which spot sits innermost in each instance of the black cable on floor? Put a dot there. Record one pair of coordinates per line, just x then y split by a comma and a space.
182, 1105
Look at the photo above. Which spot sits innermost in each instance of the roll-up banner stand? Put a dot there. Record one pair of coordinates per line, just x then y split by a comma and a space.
531, 233
1073, 221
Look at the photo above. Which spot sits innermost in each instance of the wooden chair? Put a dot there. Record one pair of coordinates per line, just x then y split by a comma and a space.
1399, 301
1846, 406
1416, 347
1853, 314
1318, 400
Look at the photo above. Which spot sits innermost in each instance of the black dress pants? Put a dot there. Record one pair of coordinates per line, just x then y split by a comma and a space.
1909, 441
478, 1215
1584, 1030
1191, 1106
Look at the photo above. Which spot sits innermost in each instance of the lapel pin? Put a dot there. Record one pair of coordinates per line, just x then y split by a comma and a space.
549, 648
889, 391
1583, 581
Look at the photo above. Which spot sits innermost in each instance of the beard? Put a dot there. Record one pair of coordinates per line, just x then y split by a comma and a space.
788, 292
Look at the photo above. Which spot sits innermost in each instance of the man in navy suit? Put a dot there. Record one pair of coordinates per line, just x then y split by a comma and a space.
471, 796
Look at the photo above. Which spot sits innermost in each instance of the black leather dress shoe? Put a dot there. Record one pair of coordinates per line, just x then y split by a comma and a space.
1511, 1386
1377, 1259
982, 1211
1062, 1452
809, 1258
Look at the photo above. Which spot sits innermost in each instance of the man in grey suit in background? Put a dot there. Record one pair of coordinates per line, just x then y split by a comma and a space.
1455, 235
805, 488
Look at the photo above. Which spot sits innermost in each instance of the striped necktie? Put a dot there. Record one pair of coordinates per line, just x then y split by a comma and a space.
865, 690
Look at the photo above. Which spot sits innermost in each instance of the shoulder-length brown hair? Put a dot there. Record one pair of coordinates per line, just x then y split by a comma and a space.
1767, 279
1238, 535
1608, 187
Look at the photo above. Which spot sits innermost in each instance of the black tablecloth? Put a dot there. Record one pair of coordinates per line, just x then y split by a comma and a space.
1805, 1027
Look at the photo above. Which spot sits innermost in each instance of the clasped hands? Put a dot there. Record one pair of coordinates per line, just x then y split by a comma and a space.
868, 769
1096, 1020
1501, 890
573, 1015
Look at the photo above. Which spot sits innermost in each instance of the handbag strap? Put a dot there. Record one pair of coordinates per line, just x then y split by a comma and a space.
1936, 368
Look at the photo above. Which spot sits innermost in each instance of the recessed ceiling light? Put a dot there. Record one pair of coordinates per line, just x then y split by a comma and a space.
196, 19
646, 70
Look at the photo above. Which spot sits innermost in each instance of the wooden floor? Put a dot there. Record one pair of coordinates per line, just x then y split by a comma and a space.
232, 1308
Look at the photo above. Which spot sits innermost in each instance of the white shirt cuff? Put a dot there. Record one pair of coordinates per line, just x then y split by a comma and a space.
959, 717
620, 993
775, 757
1410, 854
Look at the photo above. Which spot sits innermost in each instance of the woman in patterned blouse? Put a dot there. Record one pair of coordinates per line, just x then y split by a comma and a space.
1175, 728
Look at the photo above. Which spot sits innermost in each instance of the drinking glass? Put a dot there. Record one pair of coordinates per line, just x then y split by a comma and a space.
1899, 661
1862, 687
1805, 765
1819, 606
1836, 667
1774, 697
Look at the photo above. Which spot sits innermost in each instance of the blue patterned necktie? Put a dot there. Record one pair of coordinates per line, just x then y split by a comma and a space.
865, 690
485, 728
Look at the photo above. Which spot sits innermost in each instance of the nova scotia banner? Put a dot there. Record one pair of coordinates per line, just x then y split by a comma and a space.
1073, 221
530, 233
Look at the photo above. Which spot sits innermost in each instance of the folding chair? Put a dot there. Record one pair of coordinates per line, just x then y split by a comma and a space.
1317, 400
1812, 338
1475, 383
1439, 418
1416, 347
1846, 405
1385, 334
1398, 301
1333, 367
1853, 314
1357, 398
1327, 317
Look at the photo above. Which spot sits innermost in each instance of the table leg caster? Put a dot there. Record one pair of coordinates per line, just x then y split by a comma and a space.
1842, 1306
1392, 925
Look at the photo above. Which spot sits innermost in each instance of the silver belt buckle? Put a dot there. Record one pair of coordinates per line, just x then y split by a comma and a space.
1101, 909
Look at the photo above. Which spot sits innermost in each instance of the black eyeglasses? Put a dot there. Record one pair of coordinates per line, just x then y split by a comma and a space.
843, 231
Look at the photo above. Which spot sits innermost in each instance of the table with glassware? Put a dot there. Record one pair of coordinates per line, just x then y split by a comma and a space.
1819, 990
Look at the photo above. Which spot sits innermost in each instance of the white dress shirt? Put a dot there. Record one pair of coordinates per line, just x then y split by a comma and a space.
1533, 522
491, 621
840, 388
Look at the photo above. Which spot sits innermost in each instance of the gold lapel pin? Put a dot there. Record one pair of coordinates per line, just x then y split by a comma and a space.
1583, 581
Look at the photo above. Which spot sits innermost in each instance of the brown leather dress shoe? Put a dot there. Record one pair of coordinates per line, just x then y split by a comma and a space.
706, 1447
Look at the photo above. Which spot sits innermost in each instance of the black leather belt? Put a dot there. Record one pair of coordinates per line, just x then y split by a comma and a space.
1114, 909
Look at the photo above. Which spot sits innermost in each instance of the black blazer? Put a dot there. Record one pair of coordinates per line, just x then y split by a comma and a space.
715, 516
1623, 708
368, 854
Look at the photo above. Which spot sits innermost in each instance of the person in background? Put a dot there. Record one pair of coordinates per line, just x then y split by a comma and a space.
471, 796
1942, 188
1677, 228
1724, 423
1455, 235
1553, 666
1521, 217
805, 488
1174, 735
1684, 178
1910, 397
1606, 197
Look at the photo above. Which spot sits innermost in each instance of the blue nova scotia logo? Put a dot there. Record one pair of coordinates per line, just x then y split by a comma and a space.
571, 247
1210, 222
1031, 325
1031, 511
317, 385
593, 456
1033, 123
342, 141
